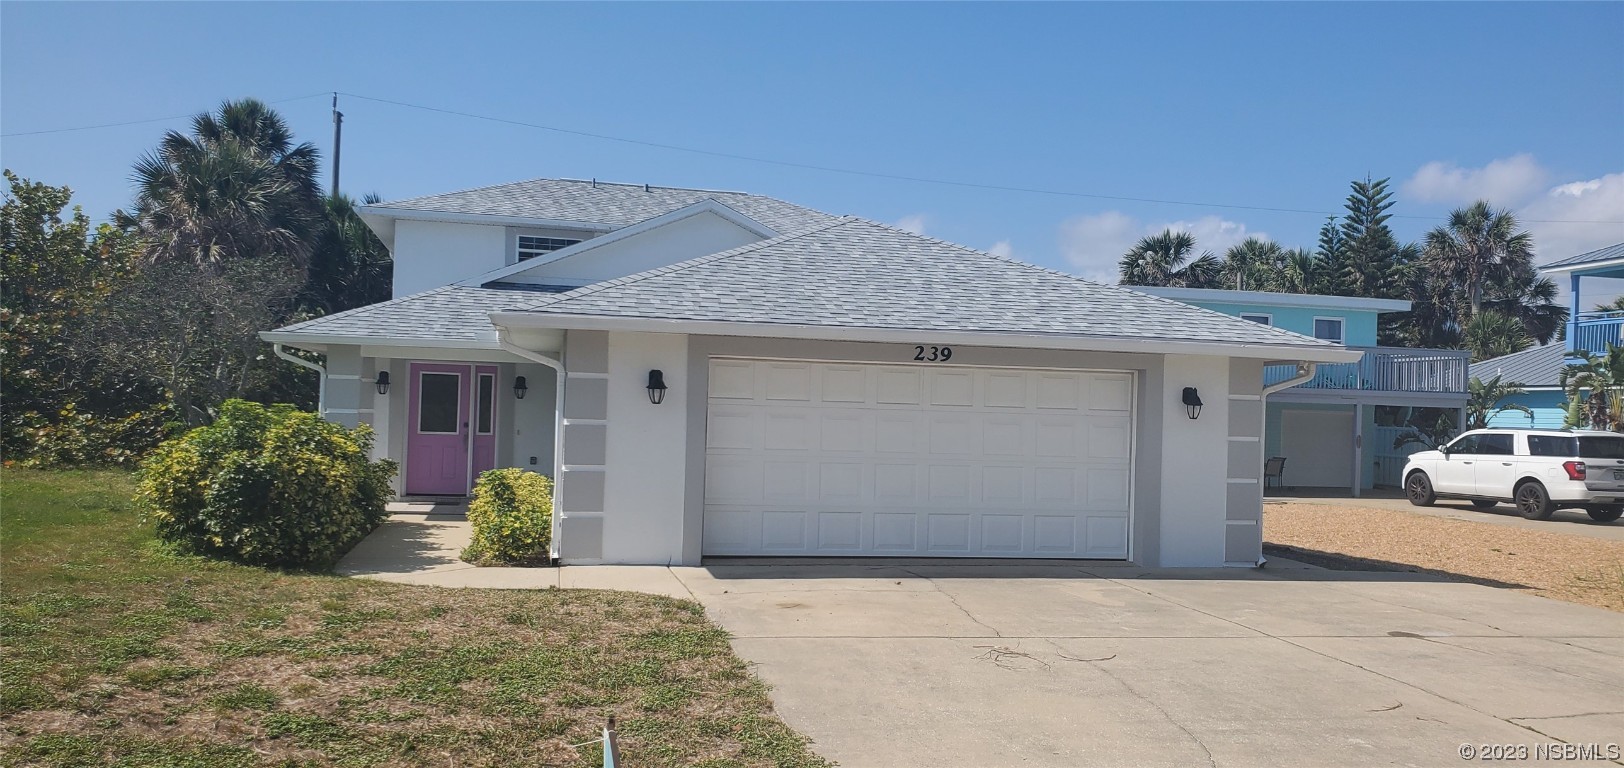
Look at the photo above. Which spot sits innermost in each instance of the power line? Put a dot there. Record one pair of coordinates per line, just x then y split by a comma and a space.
139, 122
799, 165
902, 177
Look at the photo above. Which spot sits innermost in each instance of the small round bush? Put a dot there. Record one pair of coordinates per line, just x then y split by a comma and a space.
512, 518
270, 486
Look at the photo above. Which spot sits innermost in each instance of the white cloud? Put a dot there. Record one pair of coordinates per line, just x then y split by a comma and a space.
1592, 200
1003, 249
1093, 244
1506, 182
914, 223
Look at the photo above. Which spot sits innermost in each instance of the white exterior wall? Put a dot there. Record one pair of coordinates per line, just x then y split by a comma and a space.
1193, 462
533, 418
645, 481
431, 254
699, 235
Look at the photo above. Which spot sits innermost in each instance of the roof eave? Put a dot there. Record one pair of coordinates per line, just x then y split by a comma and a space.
318, 341
487, 219
1585, 266
1315, 354
1267, 298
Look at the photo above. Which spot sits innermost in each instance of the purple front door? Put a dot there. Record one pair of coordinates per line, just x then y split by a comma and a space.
452, 435
437, 442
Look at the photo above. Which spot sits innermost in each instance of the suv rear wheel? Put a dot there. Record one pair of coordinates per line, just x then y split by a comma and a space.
1418, 489
1605, 514
1533, 502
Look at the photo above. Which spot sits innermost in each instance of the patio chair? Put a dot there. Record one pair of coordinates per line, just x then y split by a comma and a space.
1274, 471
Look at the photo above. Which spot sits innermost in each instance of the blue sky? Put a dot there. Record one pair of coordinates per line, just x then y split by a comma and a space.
1267, 105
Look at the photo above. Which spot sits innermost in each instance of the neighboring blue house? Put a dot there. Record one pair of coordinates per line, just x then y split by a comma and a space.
1538, 369
1337, 429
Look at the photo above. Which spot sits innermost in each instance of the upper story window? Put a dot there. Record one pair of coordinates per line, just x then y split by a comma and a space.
1258, 317
531, 246
1328, 328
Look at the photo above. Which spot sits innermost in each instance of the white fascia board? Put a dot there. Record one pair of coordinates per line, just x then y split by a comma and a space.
1603, 264
314, 339
1268, 298
489, 219
704, 206
1315, 354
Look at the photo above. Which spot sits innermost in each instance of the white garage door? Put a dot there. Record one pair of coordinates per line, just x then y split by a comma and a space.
851, 459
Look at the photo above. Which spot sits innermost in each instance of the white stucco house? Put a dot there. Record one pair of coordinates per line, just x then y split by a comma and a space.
711, 374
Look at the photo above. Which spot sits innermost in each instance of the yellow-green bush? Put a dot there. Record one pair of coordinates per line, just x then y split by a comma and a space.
266, 486
512, 518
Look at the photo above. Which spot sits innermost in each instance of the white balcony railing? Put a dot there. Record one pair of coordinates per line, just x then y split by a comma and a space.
1386, 369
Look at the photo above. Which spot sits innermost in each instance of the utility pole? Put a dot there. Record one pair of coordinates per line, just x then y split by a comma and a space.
338, 140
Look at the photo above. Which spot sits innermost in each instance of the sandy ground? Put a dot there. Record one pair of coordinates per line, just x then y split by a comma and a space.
1556, 565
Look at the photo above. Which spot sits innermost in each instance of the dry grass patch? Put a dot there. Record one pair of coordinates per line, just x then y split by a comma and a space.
119, 653
1573, 568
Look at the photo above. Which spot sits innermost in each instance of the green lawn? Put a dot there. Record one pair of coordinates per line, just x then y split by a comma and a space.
117, 652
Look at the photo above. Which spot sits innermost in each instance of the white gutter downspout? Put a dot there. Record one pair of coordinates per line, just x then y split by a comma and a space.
558, 417
321, 377
1305, 371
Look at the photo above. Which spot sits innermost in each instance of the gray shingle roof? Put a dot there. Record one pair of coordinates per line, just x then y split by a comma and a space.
1600, 254
857, 273
612, 205
1537, 366
452, 313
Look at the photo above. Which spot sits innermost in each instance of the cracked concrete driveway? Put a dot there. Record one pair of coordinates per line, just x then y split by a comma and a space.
925, 664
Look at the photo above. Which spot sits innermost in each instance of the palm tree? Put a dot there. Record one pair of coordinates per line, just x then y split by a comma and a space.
236, 187
1491, 334
1161, 260
349, 267
1589, 385
1251, 264
1485, 399
1532, 301
1616, 305
1480, 246
1300, 271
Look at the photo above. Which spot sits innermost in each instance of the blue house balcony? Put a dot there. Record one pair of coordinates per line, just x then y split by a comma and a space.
1595, 331
1590, 331
1385, 371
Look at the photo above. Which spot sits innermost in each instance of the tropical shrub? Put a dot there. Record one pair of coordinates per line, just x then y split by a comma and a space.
266, 486
512, 518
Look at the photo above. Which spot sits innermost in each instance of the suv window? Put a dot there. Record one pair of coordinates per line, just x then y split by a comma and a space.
1494, 445
1467, 444
1553, 445
1601, 448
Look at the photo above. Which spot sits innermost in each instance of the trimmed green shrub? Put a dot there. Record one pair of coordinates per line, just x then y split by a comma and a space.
512, 518
266, 486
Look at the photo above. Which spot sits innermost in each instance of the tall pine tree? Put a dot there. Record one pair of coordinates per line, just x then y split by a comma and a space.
1372, 260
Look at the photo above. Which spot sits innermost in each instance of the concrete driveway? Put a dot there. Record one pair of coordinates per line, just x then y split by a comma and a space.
921, 664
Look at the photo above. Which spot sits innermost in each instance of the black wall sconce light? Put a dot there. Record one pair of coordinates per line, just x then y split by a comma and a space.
656, 386
383, 382
1192, 402
520, 386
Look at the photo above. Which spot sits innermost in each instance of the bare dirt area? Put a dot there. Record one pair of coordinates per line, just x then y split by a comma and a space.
1564, 567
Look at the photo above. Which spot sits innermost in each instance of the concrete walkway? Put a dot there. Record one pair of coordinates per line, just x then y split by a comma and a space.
904, 663
1570, 522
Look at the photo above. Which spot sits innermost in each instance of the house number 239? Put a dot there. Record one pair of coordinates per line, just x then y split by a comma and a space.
933, 354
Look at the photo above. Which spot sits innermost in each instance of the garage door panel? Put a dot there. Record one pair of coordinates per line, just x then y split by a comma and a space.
896, 387
1003, 534
732, 380
1006, 390
955, 388
788, 382
947, 533
732, 427
854, 459
783, 531
1003, 485
953, 434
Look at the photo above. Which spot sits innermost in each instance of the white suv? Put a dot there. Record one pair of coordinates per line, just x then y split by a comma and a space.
1539, 471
